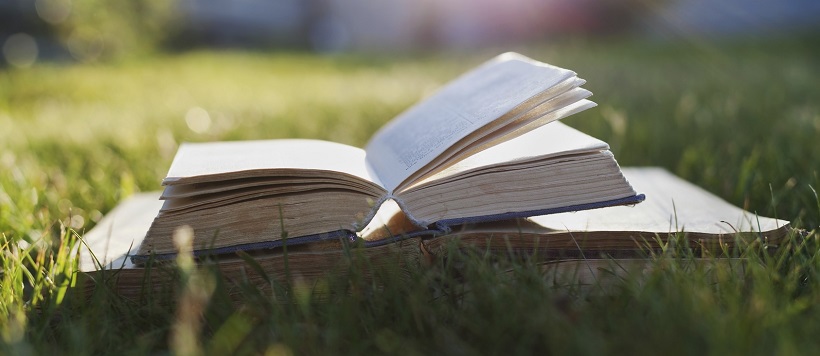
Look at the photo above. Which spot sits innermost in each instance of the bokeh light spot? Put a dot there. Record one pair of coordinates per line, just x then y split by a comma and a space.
77, 222
20, 50
53, 11
85, 44
198, 119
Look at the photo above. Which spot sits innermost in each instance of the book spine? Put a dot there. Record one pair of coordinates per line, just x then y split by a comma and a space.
358, 226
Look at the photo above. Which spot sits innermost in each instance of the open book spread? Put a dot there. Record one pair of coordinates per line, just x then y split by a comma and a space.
485, 147
570, 242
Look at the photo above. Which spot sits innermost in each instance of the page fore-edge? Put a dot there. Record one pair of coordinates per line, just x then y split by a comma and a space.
439, 228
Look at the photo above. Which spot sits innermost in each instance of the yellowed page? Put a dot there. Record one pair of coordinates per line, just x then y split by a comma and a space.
551, 140
503, 134
418, 135
219, 160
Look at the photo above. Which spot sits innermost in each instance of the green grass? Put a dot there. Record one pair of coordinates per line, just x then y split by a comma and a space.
741, 120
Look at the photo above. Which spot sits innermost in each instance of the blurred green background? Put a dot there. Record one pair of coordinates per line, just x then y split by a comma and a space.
96, 96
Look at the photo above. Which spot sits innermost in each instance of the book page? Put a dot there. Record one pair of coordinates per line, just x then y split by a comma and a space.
119, 234
551, 140
418, 135
522, 124
672, 204
217, 159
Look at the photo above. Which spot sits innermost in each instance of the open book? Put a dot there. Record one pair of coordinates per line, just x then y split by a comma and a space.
479, 149
570, 242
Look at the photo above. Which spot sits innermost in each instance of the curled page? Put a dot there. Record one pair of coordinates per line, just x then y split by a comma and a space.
417, 136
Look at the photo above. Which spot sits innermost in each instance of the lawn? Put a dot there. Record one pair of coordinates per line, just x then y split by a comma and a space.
741, 120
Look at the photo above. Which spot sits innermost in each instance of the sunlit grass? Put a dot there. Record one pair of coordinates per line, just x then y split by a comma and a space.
740, 120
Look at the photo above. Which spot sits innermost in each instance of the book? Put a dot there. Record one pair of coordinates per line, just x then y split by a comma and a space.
484, 147
674, 209
572, 245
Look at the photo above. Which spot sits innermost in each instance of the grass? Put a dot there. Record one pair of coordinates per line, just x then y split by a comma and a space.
741, 120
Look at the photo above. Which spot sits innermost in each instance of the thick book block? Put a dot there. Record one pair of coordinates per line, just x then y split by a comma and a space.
484, 147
